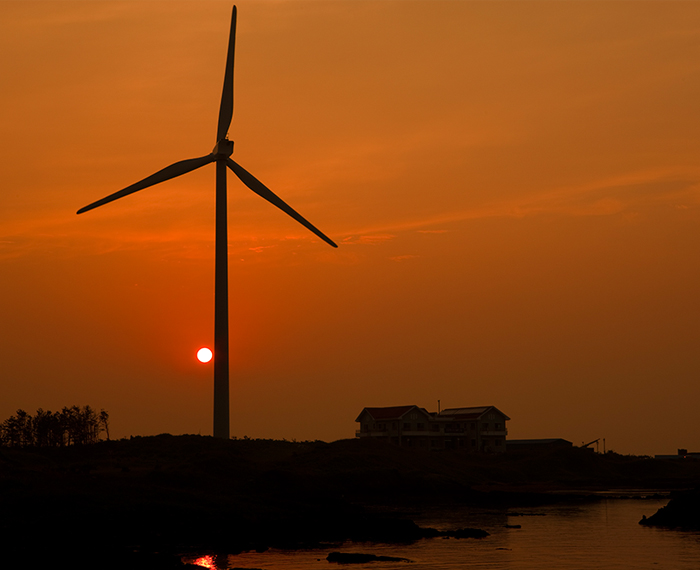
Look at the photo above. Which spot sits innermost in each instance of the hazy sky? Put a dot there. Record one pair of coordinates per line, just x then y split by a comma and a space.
515, 188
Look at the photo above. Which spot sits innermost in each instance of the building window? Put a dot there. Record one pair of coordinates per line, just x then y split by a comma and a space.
435, 427
420, 427
407, 426
485, 426
472, 426
393, 425
497, 426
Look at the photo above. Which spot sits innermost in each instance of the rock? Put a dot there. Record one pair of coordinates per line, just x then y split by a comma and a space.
361, 558
682, 511
429, 532
469, 533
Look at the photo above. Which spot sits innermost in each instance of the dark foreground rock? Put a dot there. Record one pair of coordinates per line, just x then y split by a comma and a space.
459, 533
682, 511
468, 533
360, 558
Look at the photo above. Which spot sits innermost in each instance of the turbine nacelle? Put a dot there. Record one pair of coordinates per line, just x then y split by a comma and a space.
223, 149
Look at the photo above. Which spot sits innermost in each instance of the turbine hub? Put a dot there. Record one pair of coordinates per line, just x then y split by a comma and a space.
223, 148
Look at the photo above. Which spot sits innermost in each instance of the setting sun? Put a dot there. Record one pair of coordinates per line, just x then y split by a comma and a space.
514, 187
204, 355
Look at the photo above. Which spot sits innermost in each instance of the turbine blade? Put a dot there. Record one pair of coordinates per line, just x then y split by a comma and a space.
226, 109
263, 191
172, 171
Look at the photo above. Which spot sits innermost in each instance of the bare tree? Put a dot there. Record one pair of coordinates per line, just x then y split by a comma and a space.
104, 422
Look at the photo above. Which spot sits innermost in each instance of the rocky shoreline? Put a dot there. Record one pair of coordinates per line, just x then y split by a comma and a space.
146, 501
682, 512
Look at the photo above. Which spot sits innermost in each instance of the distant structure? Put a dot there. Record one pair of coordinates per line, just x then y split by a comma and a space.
477, 429
682, 454
530, 445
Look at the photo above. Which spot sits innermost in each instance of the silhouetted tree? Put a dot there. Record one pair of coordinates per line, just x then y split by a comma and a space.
12, 433
24, 426
104, 422
42, 428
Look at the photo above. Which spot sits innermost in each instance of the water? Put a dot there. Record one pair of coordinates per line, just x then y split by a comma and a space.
600, 535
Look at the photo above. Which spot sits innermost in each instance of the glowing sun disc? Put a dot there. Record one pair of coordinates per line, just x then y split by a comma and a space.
204, 355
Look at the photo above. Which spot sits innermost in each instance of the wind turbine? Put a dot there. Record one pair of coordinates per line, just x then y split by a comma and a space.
221, 155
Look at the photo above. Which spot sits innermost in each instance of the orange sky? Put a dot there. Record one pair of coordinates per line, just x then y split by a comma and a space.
515, 188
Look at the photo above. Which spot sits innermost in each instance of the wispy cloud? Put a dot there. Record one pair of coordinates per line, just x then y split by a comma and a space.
261, 248
625, 194
367, 239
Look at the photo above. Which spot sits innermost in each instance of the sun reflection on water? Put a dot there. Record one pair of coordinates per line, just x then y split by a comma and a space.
206, 562
557, 537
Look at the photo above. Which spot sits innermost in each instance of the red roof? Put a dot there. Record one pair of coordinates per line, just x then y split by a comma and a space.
473, 413
397, 412
390, 413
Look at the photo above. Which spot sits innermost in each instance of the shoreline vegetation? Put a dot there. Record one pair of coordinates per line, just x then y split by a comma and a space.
70, 426
145, 502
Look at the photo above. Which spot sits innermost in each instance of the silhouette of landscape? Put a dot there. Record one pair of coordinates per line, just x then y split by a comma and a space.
71, 496
147, 501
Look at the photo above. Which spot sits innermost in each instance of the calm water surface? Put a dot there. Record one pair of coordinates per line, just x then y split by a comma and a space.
600, 535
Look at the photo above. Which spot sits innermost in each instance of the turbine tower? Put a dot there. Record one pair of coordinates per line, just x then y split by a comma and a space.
221, 155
